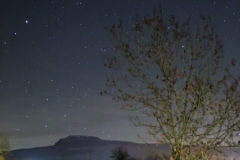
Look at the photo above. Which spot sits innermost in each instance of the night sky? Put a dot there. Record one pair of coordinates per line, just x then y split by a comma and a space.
51, 64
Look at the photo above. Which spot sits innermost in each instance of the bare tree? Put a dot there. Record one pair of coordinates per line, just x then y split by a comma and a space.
173, 73
120, 153
4, 148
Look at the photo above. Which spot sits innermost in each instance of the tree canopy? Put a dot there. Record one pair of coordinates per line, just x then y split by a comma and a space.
173, 73
4, 148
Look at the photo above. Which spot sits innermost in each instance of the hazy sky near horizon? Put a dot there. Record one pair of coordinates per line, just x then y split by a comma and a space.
51, 64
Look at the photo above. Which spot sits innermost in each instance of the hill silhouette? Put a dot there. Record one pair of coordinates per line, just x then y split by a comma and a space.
86, 148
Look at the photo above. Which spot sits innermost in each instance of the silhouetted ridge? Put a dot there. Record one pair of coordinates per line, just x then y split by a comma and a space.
76, 140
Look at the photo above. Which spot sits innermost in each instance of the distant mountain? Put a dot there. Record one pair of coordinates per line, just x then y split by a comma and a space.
94, 148
77, 140
86, 148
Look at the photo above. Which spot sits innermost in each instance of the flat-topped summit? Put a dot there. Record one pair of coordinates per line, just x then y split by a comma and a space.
76, 140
